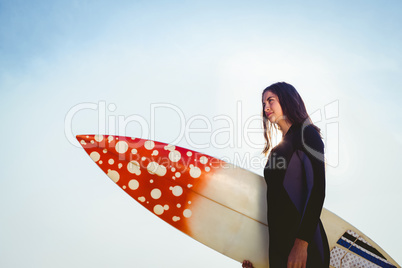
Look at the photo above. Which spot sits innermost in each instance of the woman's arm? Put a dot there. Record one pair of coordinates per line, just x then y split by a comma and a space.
298, 256
314, 167
312, 159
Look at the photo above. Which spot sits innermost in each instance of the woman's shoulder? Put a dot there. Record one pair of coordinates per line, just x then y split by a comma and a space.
305, 131
311, 138
310, 131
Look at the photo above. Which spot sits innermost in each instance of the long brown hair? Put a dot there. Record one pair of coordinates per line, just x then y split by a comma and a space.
293, 109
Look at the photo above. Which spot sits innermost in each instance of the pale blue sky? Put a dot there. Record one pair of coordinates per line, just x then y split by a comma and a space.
60, 210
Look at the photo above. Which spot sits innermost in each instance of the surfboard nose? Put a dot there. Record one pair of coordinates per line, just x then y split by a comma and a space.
86, 138
90, 140
82, 137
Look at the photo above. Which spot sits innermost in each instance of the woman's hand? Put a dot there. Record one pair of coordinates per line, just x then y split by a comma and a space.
298, 255
247, 264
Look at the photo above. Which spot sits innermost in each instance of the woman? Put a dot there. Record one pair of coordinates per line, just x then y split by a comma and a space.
295, 176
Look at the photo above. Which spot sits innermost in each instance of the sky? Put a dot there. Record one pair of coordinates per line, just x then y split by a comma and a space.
183, 72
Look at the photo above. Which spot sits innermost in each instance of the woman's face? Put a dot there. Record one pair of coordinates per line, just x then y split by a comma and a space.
271, 107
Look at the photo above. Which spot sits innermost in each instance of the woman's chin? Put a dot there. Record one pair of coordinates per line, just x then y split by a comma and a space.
272, 119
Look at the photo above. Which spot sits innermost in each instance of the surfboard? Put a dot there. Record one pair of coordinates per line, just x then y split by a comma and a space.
216, 203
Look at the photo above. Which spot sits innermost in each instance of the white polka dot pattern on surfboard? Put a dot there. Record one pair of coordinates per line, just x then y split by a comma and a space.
163, 178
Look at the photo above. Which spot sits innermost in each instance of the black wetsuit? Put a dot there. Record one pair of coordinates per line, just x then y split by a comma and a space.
295, 176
